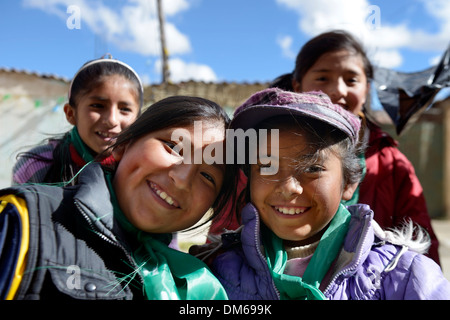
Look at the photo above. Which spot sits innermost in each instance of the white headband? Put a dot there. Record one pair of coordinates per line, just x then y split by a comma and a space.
90, 63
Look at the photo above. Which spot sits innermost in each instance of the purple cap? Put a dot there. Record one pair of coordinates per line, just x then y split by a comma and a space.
276, 102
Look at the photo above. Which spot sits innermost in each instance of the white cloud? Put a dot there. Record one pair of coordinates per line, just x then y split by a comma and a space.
435, 60
321, 15
382, 40
285, 43
182, 71
134, 27
387, 58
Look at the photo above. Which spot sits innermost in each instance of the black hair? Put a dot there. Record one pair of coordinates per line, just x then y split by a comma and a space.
183, 111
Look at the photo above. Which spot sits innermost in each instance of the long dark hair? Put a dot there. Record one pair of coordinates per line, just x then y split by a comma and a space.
182, 111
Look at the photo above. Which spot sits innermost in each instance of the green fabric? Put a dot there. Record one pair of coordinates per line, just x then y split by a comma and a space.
355, 197
306, 287
83, 150
168, 273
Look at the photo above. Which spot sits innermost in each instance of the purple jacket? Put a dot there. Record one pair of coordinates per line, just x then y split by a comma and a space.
369, 267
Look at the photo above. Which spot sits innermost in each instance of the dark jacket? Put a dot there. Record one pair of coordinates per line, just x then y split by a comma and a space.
74, 250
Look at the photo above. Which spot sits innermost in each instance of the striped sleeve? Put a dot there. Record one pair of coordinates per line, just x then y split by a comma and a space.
33, 165
14, 241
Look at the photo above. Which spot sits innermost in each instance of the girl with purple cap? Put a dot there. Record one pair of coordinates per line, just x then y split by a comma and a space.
105, 96
297, 240
335, 63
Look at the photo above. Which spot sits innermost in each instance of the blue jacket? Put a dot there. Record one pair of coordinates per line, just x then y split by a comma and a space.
369, 267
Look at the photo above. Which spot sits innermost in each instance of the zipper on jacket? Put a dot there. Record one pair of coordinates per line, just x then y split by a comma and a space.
354, 265
257, 242
110, 241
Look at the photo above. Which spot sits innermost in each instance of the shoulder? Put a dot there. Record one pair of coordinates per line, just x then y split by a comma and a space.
384, 149
413, 277
404, 272
32, 166
379, 138
240, 279
242, 268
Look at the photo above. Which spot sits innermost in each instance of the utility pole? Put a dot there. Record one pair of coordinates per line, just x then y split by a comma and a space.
165, 58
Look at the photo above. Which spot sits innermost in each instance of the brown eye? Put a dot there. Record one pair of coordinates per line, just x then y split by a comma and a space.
209, 178
171, 147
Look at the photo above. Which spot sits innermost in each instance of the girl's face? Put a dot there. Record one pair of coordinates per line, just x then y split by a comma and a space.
297, 206
104, 112
341, 76
158, 189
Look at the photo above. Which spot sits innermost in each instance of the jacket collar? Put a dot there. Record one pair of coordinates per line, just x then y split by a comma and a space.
359, 239
357, 243
94, 200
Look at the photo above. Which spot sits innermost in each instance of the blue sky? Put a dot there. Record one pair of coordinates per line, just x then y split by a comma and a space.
215, 40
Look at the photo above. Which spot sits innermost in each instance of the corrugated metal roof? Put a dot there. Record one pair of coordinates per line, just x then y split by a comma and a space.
34, 73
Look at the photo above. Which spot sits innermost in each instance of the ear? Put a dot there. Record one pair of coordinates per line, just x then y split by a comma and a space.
70, 114
296, 86
348, 191
368, 86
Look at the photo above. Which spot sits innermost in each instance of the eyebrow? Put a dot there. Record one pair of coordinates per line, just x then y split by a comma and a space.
100, 98
351, 71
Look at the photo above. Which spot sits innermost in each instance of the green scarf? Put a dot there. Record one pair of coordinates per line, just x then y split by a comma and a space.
306, 287
83, 150
167, 273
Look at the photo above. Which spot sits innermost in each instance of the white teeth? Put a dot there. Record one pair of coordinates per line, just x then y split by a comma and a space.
289, 210
164, 196
106, 135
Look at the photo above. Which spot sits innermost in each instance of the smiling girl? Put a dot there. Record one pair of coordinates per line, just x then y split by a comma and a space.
116, 224
105, 97
298, 241
335, 63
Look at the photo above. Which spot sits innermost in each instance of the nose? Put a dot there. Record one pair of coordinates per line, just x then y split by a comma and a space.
337, 91
289, 187
182, 175
111, 117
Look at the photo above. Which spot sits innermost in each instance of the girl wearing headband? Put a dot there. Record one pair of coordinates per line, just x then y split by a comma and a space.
105, 96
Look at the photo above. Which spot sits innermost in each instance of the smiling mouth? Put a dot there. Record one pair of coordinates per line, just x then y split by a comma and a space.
290, 210
106, 135
163, 195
